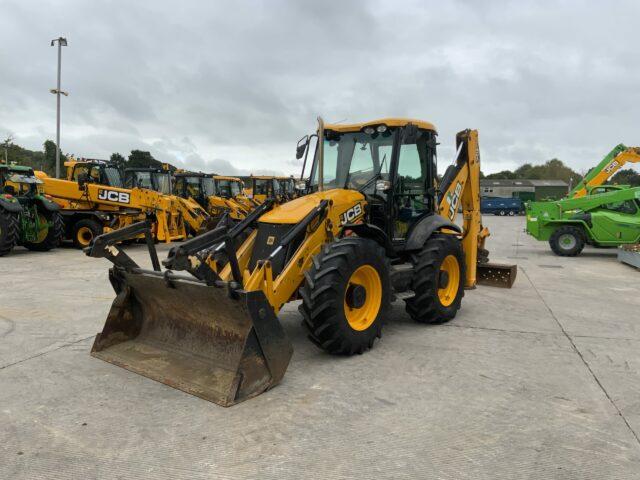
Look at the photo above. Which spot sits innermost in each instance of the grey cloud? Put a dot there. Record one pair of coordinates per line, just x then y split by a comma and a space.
241, 81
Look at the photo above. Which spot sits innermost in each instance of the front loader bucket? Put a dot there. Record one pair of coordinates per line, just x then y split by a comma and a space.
194, 337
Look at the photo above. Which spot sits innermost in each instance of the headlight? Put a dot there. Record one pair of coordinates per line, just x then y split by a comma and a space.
369, 130
381, 128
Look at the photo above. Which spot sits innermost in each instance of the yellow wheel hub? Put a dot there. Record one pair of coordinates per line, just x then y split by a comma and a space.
43, 230
449, 280
363, 297
84, 236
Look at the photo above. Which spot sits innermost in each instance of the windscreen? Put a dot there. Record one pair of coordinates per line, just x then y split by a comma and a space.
163, 183
208, 186
261, 186
353, 159
113, 177
228, 188
143, 180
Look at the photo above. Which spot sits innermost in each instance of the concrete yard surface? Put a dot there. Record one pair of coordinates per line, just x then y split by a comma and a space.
540, 381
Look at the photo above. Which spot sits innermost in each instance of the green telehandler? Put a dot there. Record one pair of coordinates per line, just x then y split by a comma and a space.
607, 216
27, 216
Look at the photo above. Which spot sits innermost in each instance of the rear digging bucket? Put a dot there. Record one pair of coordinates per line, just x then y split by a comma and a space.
194, 337
496, 274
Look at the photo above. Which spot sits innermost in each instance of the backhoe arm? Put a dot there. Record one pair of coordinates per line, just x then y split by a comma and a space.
460, 186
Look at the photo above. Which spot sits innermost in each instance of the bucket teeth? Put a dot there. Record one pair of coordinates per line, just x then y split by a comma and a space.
194, 337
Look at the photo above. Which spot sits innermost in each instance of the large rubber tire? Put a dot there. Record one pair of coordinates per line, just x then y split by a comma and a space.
9, 224
567, 241
434, 301
84, 232
327, 295
55, 234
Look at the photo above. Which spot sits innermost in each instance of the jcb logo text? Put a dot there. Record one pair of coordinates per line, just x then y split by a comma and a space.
113, 196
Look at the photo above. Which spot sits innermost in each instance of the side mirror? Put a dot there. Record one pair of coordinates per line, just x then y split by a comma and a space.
301, 147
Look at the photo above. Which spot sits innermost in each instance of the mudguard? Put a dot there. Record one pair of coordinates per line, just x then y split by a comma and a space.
367, 230
47, 204
10, 205
420, 231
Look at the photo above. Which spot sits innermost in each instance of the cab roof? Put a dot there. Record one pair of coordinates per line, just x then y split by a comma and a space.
389, 122
15, 168
224, 177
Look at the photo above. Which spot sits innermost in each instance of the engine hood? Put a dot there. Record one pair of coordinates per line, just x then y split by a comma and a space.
294, 211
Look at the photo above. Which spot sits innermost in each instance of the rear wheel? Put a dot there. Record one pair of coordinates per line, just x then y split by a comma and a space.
567, 241
8, 231
50, 234
502, 213
85, 231
438, 280
346, 295
511, 213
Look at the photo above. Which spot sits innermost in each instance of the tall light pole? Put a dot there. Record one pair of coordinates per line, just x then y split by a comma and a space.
62, 42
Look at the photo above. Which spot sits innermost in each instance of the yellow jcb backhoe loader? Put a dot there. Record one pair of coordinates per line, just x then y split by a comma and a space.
92, 200
233, 188
375, 228
201, 187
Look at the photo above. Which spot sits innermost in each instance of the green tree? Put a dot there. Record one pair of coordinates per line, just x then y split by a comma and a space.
140, 158
118, 160
626, 176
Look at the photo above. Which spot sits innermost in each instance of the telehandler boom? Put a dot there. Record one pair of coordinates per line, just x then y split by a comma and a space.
610, 164
370, 232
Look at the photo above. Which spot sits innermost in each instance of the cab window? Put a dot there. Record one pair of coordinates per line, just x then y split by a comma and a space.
628, 206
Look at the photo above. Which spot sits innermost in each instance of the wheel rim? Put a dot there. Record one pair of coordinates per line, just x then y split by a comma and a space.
362, 310
450, 267
567, 241
44, 229
84, 236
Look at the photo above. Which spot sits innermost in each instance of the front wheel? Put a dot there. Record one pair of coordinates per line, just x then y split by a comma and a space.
567, 241
346, 295
511, 213
502, 213
438, 280
50, 233
85, 231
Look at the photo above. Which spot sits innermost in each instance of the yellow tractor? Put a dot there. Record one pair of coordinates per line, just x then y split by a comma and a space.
375, 228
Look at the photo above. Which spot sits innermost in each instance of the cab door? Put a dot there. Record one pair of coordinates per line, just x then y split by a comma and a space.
413, 178
617, 222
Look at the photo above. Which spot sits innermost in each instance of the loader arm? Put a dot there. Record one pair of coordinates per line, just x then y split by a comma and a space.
609, 165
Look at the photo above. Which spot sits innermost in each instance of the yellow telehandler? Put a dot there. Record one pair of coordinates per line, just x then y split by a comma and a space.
93, 200
375, 228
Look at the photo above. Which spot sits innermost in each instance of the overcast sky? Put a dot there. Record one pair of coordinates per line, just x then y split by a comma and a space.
231, 86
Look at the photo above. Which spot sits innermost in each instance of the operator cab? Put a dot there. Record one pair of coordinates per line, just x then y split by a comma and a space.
96, 171
228, 187
198, 186
155, 179
391, 162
